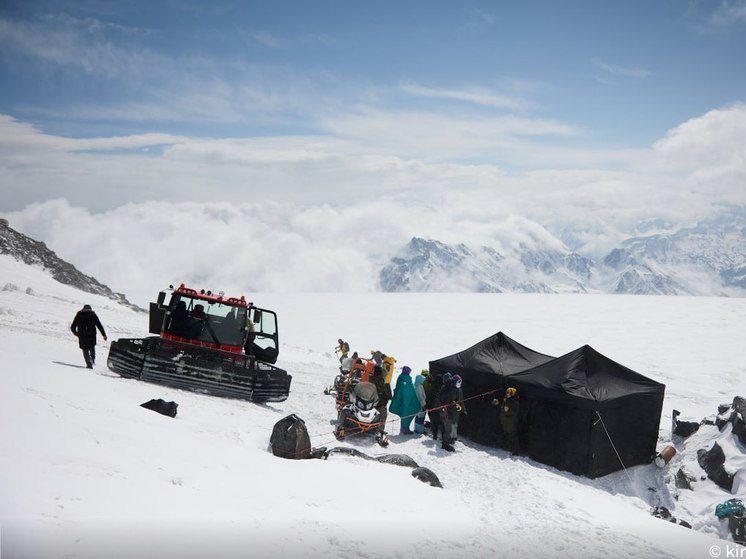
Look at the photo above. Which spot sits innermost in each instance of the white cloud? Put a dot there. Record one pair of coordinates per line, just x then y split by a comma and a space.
615, 70
323, 213
478, 96
728, 13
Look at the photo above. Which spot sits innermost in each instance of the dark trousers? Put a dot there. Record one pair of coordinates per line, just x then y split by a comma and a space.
510, 442
435, 423
384, 416
89, 354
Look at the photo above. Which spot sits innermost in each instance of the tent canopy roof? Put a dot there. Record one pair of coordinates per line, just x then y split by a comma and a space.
497, 354
585, 373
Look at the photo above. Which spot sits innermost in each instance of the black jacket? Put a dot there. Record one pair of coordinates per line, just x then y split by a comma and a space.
84, 326
448, 397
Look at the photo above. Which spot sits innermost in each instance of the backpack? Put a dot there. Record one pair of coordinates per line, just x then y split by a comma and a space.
290, 439
731, 507
346, 347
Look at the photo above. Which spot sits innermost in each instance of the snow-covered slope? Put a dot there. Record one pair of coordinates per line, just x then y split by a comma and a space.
27, 250
86, 472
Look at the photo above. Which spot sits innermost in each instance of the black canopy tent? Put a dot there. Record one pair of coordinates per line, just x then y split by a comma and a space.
572, 407
484, 367
584, 413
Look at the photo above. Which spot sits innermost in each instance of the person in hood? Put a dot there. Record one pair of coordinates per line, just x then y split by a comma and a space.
450, 402
419, 388
84, 327
405, 403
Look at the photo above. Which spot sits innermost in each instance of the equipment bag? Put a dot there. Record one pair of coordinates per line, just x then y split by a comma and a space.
290, 438
731, 507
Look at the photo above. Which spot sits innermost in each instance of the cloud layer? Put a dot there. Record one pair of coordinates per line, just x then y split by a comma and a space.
214, 212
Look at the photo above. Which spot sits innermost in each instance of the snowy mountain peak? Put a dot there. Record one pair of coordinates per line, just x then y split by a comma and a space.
431, 265
36, 253
707, 258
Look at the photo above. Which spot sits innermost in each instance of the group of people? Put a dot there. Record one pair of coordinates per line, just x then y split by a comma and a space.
437, 397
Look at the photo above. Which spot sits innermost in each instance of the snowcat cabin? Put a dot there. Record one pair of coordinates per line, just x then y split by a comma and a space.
201, 319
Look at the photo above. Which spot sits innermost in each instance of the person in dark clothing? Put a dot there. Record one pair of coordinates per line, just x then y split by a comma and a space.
509, 409
431, 401
459, 405
84, 327
449, 402
179, 324
384, 394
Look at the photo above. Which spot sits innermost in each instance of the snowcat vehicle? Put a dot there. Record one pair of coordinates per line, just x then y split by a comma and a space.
360, 416
224, 346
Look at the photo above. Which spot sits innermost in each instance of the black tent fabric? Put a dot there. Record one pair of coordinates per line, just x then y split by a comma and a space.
587, 414
484, 368
581, 412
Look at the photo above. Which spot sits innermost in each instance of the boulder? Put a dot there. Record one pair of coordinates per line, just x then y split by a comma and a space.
426, 475
162, 407
682, 480
683, 428
737, 527
398, 460
712, 461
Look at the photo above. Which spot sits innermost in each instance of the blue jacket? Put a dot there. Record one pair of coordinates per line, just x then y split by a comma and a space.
405, 402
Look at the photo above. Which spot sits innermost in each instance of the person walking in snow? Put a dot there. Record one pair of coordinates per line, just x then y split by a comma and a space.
405, 403
419, 388
384, 394
343, 348
84, 327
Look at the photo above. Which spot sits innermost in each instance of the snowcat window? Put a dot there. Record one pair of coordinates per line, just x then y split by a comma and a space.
226, 322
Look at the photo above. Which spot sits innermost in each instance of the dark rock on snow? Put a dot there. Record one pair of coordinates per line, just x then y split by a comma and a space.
398, 460
426, 475
682, 480
683, 428
712, 461
162, 407
737, 527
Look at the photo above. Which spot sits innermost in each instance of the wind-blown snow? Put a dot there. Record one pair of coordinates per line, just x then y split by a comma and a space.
86, 472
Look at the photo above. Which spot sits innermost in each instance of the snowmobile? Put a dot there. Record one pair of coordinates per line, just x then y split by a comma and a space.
224, 346
360, 416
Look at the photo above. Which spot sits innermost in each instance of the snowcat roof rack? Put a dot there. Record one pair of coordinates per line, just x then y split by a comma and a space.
208, 296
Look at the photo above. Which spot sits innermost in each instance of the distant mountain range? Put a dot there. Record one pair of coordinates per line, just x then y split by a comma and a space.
708, 258
36, 253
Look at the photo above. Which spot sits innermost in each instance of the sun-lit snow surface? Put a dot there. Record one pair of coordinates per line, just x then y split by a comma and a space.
86, 472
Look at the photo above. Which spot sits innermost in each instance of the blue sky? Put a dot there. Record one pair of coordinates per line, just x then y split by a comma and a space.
293, 123
620, 73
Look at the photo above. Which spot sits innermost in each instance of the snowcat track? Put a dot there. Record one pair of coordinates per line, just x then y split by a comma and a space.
192, 368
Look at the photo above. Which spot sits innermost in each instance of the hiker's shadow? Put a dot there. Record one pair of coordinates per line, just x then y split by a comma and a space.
70, 365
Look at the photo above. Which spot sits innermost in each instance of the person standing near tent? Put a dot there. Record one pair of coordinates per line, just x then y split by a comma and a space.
459, 405
449, 402
84, 327
431, 401
405, 403
509, 420
384, 394
419, 388
343, 348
